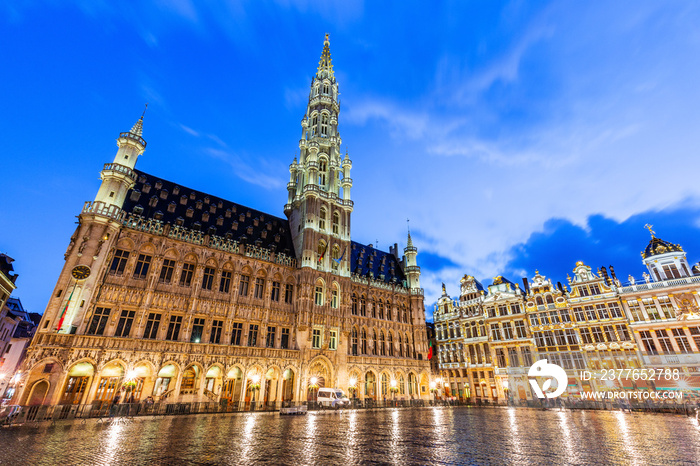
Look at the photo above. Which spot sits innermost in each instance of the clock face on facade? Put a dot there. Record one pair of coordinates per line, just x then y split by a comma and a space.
80, 272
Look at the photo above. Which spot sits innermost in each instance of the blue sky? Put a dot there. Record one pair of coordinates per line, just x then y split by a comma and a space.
516, 136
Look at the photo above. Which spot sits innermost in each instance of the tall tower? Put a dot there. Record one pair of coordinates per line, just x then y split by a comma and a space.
98, 223
319, 205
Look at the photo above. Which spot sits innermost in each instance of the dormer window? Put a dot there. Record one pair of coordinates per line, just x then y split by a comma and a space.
198, 204
171, 207
190, 212
183, 200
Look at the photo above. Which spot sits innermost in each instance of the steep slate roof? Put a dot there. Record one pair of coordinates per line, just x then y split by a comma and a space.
163, 200
365, 259
153, 197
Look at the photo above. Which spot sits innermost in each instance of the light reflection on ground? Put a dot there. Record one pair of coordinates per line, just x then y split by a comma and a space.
393, 436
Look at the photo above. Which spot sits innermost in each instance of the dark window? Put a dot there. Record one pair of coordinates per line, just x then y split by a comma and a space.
142, 266
208, 278
284, 342
186, 275
243, 287
259, 287
99, 321
174, 328
252, 335
217, 327
225, 281
288, 292
236, 333
648, 342
124, 325
622, 332
275, 294
166, 272
197, 330
270, 340
119, 261
152, 325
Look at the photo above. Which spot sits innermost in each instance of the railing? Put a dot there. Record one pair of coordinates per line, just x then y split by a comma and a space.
662, 284
124, 170
45, 341
106, 210
650, 359
133, 136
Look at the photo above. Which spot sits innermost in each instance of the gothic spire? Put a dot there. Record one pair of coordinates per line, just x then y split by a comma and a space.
325, 64
137, 129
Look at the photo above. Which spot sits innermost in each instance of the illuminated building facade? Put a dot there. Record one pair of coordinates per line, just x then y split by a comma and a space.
596, 324
180, 295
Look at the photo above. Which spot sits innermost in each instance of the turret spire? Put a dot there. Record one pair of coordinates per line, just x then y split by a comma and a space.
137, 129
325, 64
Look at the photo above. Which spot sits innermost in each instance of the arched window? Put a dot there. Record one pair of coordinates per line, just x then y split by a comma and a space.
324, 125
336, 223
382, 344
353, 343
363, 341
408, 346
539, 301
550, 300
374, 309
335, 296
412, 385
391, 344
385, 385
400, 342
405, 314
388, 311
319, 300
354, 304
381, 309
322, 219
363, 306
402, 385
374, 342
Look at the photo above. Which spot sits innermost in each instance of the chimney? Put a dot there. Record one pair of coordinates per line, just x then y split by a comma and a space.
527, 285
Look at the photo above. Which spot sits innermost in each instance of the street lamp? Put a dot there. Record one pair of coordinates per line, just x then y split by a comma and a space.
352, 387
505, 391
433, 389
255, 378
393, 389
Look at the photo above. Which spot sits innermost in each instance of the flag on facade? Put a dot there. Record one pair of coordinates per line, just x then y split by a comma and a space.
341, 256
323, 254
430, 349
63, 314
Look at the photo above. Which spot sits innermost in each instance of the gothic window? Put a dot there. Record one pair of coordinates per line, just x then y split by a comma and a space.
99, 321
363, 342
186, 274
174, 328
374, 342
321, 244
225, 283
125, 322
336, 223
152, 325
217, 327
208, 278
319, 294
236, 332
324, 125
391, 344
381, 309
259, 288
197, 331
119, 262
288, 293
353, 342
142, 265
374, 309
400, 342
322, 170
275, 294
326, 89
243, 285
252, 335
335, 296
354, 304
363, 306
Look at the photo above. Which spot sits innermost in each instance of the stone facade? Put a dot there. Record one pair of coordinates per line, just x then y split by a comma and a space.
176, 294
488, 339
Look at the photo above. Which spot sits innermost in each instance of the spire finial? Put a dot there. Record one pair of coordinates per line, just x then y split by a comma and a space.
325, 64
137, 129
648, 227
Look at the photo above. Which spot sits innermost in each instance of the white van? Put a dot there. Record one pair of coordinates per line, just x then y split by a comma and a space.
332, 398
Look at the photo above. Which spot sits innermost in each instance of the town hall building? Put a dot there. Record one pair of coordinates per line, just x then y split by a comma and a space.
179, 295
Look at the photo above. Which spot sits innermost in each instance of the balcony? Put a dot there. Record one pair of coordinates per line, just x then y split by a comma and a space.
133, 137
683, 359
121, 169
105, 210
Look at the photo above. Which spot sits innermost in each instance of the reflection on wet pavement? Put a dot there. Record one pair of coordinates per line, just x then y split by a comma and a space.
394, 436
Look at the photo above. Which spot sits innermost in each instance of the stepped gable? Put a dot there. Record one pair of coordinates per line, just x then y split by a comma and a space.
159, 199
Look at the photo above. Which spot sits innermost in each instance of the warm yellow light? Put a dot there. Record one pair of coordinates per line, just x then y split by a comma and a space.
393, 383
131, 375
438, 380
432, 385
255, 378
505, 384
353, 381
313, 380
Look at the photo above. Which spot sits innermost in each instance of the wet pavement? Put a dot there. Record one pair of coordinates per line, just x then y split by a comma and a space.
391, 436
